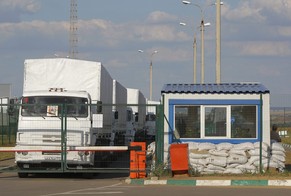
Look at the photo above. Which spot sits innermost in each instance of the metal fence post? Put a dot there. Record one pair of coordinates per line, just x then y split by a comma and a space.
261, 132
2, 123
160, 135
63, 136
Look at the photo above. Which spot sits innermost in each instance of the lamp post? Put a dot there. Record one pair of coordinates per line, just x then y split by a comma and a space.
202, 48
202, 25
194, 55
151, 72
218, 39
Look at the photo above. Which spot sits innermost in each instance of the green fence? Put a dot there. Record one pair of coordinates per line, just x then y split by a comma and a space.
57, 138
8, 124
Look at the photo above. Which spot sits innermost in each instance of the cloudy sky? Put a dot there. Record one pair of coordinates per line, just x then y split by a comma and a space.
255, 40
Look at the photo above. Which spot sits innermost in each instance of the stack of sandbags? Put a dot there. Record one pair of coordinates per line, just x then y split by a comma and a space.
254, 155
237, 159
227, 158
278, 156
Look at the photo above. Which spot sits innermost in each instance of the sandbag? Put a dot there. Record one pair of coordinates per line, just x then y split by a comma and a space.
247, 167
244, 146
199, 155
236, 159
278, 157
198, 161
237, 152
206, 146
265, 146
215, 160
278, 152
277, 146
256, 152
219, 153
224, 146
193, 146
253, 159
215, 167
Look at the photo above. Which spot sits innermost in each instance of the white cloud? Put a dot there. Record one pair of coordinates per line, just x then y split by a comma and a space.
115, 34
258, 11
262, 48
244, 11
159, 16
24, 5
285, 31
12, 10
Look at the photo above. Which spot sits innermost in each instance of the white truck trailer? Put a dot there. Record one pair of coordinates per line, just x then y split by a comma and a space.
150, 123
48, 85
123, 115
137, 102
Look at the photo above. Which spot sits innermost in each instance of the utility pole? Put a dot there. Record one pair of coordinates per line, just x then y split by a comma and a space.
218, 37
194, 59
202, 51
73, 30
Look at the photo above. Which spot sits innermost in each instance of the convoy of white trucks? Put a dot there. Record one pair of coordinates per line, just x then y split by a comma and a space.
95, 107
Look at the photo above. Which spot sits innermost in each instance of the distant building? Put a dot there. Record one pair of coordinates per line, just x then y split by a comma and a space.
5, 90
216, 113
5, 95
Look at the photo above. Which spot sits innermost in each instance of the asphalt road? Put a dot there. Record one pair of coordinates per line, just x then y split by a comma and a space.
104, 184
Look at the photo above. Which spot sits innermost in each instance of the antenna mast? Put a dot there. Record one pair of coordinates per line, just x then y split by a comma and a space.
73, 30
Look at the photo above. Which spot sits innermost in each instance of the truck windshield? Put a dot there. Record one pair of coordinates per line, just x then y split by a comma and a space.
53, 106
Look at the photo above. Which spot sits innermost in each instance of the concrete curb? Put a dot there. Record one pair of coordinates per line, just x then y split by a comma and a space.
210, 182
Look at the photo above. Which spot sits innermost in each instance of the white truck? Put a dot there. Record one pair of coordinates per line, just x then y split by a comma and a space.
123, 123
150, 123
137, 102
61, 86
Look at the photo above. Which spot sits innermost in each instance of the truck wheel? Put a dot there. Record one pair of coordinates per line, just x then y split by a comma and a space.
22, 175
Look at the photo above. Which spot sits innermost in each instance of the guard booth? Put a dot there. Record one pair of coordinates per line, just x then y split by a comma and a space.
216, 113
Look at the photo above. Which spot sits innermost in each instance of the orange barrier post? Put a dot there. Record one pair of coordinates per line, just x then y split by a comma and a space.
138, 160
179, 158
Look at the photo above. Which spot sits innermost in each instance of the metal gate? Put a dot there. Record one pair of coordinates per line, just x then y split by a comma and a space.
63, 138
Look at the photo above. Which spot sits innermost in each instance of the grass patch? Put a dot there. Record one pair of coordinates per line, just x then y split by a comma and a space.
286, 140
7, 155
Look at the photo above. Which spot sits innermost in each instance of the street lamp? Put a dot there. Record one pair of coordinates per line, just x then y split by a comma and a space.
202, 49
218, 40
151, 71
202, 25
194, 55
218, 34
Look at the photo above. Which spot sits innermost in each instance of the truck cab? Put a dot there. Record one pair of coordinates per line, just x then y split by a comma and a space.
48, 119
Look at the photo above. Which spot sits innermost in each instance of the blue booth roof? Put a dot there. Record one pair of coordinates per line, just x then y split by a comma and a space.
222, 88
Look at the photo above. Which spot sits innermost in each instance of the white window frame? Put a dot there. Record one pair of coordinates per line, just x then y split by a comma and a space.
202, 121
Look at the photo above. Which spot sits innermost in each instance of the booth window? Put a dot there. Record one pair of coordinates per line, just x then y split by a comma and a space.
243, 122
216, 121
187, 121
